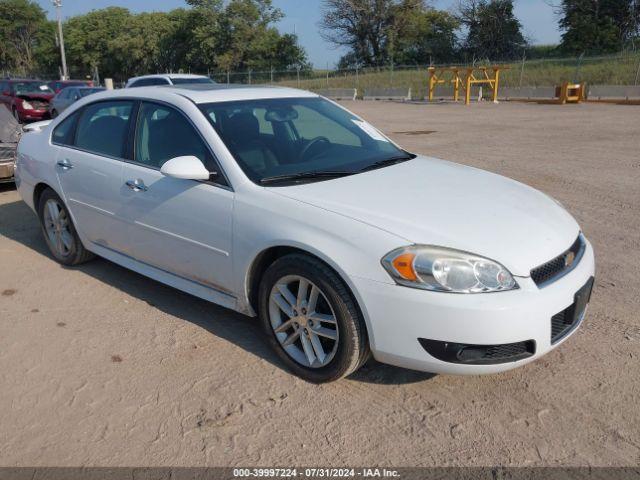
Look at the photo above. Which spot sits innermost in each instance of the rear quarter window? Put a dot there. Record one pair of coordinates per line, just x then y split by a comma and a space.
63, 134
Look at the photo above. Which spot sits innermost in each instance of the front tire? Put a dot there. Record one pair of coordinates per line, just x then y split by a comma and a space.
311, 319
16, 115
54, 113
59, 232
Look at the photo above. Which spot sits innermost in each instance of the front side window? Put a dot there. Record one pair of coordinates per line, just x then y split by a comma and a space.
285, 137
163, 133
63, 133
102, 128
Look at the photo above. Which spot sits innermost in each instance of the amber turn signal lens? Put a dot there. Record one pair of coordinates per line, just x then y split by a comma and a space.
404, 266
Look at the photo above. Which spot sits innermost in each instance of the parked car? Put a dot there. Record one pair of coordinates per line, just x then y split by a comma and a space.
10, 132
58, 85
280, 203
68, 96
27, 100
167, 79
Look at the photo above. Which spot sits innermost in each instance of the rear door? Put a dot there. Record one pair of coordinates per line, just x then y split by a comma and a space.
92, 145
180, 226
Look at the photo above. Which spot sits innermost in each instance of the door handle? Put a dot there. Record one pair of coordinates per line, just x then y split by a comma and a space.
65, 164
137, 185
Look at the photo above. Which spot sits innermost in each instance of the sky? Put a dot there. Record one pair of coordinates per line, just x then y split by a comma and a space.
539, 22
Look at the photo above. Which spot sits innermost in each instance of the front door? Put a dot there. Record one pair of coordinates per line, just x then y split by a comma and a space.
181, 226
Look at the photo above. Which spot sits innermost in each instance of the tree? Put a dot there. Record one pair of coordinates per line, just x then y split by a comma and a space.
378, 32
427, 37
598, 26
493, 31
92, 41
24, 29
210, 35
360, 25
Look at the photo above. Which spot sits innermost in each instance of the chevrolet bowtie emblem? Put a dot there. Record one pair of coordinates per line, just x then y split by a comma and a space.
569, 258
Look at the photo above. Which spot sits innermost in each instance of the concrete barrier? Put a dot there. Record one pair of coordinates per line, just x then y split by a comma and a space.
528, 93
614, 92
338, 93
402, 94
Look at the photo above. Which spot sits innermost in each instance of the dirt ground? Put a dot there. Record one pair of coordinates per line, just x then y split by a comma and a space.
100, 366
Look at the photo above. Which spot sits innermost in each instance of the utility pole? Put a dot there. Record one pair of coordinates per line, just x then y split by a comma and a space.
58, 5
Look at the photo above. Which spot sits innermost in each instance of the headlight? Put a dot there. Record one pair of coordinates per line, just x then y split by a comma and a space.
446, 270
26, 105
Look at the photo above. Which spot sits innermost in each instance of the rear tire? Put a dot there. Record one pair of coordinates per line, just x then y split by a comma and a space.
54, 113
59, 232
324, 343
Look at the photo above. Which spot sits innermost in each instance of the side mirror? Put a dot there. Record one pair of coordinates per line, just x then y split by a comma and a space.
187, 168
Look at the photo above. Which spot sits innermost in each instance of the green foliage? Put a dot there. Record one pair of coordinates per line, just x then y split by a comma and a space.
426, 36
598, 26
378, 32
25, 33
493, 31
211, 35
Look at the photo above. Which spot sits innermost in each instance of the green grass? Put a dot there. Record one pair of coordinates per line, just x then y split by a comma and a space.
613, 70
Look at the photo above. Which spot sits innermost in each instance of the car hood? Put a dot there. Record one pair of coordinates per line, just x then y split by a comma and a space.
36, 96
435, 202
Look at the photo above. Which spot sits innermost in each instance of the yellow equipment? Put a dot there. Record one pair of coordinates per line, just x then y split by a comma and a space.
465, 77
571, 92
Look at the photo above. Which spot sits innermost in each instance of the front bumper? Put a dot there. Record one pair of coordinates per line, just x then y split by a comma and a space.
397, 317
33, 115
7, 169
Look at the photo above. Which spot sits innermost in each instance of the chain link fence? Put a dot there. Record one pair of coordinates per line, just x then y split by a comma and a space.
620, 69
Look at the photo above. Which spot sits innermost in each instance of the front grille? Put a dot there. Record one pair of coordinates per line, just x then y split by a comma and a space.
7, 152
559, 266
478, 354
507, 351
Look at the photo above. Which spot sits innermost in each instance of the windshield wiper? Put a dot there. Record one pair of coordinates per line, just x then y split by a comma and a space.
305, 175
388, 161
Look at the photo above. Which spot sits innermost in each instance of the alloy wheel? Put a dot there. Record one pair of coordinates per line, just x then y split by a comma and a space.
303, 321
58, 228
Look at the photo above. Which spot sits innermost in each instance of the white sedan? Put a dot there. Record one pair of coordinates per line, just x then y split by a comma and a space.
279, 203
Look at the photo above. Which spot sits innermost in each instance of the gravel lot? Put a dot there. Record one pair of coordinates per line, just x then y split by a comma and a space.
100, 366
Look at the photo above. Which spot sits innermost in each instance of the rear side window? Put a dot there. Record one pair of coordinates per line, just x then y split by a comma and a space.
103, 126
148, 82
63, 134
163, 133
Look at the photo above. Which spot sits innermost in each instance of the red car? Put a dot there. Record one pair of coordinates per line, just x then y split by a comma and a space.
58, 85
27, 100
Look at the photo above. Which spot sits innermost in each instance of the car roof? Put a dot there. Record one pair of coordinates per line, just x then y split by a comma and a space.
23, 80
167, 75
211, 93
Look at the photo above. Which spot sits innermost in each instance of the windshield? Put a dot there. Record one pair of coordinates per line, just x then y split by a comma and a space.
88, 91
182, 81
31, 87
285, 137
